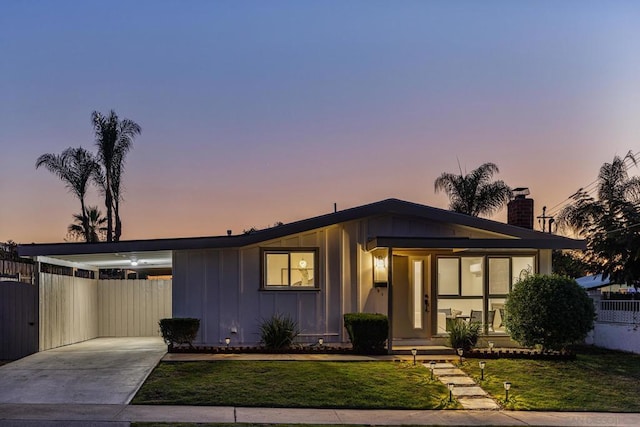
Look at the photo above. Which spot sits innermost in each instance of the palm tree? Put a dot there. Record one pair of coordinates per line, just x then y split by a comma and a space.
96, 223
75, 167
611, 222
114, 139
474, 193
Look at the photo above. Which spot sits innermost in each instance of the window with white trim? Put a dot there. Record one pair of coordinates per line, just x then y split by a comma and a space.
290, 268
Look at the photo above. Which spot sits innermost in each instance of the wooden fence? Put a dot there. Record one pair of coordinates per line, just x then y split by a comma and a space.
21, 271
18, 319
132, 308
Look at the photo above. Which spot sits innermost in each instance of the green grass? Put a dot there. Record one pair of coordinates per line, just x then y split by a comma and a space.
599, 380
305, 384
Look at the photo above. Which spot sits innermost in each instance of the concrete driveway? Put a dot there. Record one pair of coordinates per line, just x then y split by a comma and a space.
102, 370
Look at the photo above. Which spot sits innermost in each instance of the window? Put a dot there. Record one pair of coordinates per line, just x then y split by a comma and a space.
476, 287
289, 269
448, 276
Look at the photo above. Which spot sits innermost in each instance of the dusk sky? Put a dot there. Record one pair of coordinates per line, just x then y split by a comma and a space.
257, 112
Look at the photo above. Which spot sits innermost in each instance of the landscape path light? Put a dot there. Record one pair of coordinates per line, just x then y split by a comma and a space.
320, 341
482, 366
490, 346
460, 353
227, 341
414, 351
432, 365
450, 387
507, 386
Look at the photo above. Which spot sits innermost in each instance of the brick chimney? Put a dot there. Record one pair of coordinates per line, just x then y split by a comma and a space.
520, 209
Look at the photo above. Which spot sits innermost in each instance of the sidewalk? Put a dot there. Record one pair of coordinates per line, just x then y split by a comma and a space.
121, 415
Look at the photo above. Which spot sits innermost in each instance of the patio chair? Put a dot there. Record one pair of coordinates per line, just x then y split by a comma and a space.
475, 317
491, 316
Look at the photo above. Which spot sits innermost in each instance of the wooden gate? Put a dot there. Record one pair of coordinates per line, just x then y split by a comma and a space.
18, 319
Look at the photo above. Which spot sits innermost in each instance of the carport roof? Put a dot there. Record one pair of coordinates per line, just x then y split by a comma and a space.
507, 234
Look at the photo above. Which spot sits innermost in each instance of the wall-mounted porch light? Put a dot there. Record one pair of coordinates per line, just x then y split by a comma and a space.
380, 268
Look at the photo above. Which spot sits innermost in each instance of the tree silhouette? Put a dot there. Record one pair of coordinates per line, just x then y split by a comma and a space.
114, 139
610, 222
75, 167
474, 193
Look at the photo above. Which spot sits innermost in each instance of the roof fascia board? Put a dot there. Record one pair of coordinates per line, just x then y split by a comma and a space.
465, 243
384, 207
63, 263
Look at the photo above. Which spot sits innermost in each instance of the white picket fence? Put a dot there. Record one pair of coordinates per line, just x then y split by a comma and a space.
617, 325
613, 311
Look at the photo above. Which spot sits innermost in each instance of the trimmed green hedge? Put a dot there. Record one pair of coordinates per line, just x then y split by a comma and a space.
179, 330
368, 332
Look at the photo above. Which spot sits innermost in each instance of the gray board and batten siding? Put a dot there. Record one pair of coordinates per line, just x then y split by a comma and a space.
222, 287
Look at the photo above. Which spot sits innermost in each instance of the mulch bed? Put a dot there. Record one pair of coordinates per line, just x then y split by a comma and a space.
520, 353
261, 350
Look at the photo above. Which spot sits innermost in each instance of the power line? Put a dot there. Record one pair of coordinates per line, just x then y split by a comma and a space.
589, 189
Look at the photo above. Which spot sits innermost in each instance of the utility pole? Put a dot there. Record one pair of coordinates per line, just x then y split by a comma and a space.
542, 220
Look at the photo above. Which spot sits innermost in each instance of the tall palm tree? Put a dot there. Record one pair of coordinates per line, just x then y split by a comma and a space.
75, 167
610, 223
474, 193
114, 139
96, 222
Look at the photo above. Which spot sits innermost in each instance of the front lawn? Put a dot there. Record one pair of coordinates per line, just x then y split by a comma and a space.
299, 384
599, 380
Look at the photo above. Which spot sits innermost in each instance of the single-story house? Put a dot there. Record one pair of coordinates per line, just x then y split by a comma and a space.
420, 265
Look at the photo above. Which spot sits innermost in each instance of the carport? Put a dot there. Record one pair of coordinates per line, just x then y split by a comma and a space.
80, 296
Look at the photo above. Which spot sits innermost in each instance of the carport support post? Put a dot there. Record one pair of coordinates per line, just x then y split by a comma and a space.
390, 298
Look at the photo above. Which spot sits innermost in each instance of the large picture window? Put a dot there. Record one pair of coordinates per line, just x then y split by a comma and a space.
475, 288
288, 269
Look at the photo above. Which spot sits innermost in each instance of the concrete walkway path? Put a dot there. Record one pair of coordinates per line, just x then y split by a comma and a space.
122, 415
101, 370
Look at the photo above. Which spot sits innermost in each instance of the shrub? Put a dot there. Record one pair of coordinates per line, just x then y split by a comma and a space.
368, 332
278, 331
463, 335
179, 330
548, 311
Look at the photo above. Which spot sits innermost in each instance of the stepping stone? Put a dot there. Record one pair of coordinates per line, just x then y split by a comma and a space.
478, 403
449, 372
457, 380
468, 391
439, 365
